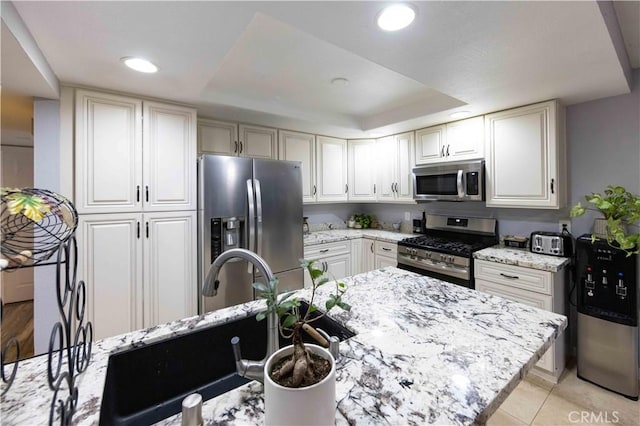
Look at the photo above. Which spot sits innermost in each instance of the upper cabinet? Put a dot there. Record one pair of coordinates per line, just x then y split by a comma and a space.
296, 146
121, 167
394, 174
456, 141
331, 160
362, 170
223, 138
525, 157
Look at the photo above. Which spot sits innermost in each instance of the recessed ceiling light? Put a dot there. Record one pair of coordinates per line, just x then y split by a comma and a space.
459, 114
340, 81
396, 17
139, 64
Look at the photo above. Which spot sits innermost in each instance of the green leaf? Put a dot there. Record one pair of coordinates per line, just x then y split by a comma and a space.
313, 308
261, 287
329, 304
322, 281
315, 274
261, 315
344, 305
289, 321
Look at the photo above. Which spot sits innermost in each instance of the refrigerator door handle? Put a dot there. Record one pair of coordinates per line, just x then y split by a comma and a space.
250, 222
258, 216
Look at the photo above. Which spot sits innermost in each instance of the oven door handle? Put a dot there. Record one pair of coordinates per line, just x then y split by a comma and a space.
460, 183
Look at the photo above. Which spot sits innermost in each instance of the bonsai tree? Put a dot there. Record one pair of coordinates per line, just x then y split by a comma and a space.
621, 209
302, 368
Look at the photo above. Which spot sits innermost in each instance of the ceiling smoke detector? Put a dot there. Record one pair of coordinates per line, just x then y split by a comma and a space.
396, 17
139, 64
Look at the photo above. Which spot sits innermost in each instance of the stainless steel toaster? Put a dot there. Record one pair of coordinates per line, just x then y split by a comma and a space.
552, 243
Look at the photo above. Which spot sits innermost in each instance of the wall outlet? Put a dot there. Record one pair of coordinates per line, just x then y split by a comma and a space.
407, 215
564, 224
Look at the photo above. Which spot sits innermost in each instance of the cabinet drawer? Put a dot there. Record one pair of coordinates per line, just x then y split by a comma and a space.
514, 276
328, 249
383, 248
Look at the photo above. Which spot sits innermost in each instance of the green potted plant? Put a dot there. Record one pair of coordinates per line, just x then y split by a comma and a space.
300, 375
621, 210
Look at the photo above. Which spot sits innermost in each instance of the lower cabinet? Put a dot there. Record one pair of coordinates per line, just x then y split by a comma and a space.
334, 259
140, 269
540, 289
386, 254
368, 254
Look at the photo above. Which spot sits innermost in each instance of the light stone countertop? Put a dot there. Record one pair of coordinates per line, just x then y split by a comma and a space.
329, 236
522, 257
464, 351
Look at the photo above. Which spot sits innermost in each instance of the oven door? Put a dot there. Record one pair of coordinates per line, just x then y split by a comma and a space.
458, 272
462, 181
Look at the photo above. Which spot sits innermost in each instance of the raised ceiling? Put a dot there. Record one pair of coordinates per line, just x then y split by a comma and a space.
271, 63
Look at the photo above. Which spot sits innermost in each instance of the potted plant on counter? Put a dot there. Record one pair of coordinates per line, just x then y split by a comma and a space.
299, 380
621, 210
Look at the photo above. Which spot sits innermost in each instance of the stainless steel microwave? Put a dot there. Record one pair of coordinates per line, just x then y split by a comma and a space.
455, 181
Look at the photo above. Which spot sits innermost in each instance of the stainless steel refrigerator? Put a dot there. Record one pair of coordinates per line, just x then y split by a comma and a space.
253, 204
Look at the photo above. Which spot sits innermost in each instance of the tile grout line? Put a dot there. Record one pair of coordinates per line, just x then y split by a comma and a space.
542, 405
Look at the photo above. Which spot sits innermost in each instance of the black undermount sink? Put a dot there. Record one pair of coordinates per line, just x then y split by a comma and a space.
147, 384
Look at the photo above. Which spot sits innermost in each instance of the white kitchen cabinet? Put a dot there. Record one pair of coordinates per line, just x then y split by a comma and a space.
331, 161
296, 146
243, 140
139, 269
533, 287
356, 256
122, 166
386, 254
368, 254
525, 157
334, 259
362, 170
455, 141
395, 160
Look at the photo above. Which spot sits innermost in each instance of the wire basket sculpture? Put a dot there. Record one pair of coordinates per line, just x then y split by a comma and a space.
34, 222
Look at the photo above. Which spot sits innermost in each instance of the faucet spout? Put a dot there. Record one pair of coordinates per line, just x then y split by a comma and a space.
245, 368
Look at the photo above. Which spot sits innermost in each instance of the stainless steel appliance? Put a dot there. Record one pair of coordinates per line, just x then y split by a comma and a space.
607, 316
456, 181
446, 249
252, 204
552, 243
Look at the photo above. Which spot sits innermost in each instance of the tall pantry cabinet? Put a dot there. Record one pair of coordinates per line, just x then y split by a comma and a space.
135, 192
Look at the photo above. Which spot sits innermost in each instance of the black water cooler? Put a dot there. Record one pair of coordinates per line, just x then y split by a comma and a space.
607, 302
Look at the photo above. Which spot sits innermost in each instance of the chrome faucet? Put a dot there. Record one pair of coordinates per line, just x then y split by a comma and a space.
246, 368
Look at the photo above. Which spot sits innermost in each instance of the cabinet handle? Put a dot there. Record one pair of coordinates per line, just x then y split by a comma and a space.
448, 150
346, 188
513, 277
374, 188
442, 151
240, 147
235, 149
324, 266
552, 182
146, 192
147, 229
314, 190
371, 247
138, 226
386, 249
324, 250
137, 193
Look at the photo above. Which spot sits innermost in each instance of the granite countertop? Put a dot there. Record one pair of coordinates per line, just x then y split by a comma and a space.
522, 257
462, 350
321, 237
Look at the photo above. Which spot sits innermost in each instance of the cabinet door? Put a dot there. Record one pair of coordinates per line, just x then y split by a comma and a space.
522, 158
258, 142
217, 137
338, 267
430, 144
108, 157
169, 146
362, 170
356, 256
368, 256
384, 261
110, 263
465, 139
387, 152
529, 298
404, 173
332, 169
170, 291
295, 146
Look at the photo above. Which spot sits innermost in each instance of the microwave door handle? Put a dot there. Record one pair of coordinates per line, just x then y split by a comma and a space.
460, 183
251, 221
258, 216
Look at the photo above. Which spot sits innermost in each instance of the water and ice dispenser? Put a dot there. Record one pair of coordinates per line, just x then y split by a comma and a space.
226, 233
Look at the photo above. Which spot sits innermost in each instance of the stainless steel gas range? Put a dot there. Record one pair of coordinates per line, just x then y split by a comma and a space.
445, 251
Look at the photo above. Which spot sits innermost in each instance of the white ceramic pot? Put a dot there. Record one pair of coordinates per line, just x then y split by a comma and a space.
312, 405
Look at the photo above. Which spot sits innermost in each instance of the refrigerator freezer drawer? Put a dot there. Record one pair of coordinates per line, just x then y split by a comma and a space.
608, 354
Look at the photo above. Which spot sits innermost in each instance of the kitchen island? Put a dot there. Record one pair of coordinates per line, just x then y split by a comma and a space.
426, 352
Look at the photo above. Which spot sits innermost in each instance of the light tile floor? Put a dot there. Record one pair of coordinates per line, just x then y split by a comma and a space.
570, 402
